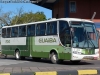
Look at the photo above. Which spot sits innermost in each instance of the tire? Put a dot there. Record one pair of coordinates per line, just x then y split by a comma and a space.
54, 58
17, 55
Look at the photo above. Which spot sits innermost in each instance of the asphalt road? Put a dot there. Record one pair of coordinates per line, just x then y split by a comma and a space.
11, 62
28, 65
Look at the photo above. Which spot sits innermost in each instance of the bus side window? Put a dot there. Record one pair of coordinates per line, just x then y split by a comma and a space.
4, 32
14, 32
37, 29
42, 29
63, 26
52, 28
22, 31
30, 30
8, 32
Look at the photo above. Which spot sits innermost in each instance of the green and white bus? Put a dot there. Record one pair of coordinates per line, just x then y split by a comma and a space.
60, 39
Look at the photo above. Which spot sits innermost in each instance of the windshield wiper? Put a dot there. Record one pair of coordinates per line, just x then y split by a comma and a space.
85, 39
89, 39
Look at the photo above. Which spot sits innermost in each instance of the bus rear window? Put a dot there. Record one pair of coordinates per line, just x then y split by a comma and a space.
4, 32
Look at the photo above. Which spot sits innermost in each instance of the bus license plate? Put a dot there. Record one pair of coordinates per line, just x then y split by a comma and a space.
88, 58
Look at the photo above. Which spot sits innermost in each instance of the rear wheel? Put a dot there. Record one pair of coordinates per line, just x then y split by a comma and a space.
54, 58
18, 57
5, 56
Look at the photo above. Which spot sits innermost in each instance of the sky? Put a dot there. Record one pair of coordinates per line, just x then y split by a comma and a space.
26, 6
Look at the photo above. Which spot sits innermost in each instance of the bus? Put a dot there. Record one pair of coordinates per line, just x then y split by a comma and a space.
71, 39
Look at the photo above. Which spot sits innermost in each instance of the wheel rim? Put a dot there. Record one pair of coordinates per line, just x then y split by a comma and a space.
54, 57
17, 55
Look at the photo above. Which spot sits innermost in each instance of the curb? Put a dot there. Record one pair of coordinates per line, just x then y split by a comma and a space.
71, 72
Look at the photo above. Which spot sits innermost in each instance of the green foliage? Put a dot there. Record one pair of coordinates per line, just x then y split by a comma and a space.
20, 17
28, 17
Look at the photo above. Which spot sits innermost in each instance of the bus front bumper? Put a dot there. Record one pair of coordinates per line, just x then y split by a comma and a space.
89, 58
85, 57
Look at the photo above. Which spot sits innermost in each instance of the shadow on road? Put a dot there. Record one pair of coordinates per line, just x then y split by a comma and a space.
49, 62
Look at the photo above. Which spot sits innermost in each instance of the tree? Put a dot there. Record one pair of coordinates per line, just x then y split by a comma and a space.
6, 18
28, 17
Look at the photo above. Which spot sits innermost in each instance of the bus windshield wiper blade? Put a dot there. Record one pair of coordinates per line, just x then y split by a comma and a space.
87, 37
90, 40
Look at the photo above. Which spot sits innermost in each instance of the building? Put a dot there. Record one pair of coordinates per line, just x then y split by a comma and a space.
74, 9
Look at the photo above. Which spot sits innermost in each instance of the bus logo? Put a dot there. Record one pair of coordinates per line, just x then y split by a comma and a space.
7, 41
47, 40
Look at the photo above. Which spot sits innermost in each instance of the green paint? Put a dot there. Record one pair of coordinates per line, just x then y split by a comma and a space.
42, 51
8, 52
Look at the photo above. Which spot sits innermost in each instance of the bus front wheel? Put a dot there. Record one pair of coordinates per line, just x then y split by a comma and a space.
54, 58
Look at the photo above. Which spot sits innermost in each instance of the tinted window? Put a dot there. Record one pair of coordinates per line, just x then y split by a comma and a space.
64, 33
4, 32
14, 32
52, 28
40, 29
63, 25
8, 32
30, 30
22, 31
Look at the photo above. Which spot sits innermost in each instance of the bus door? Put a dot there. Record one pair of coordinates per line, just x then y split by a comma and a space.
65, 38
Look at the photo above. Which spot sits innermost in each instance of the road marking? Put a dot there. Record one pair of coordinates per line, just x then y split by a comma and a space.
46, 73
81, 72
10, 62
4, 73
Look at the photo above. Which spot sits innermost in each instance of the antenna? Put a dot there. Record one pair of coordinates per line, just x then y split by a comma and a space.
93, 16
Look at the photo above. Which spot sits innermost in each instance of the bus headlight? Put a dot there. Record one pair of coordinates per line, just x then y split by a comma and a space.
97, 52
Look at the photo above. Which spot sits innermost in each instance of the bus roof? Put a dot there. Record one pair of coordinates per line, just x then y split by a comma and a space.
54, 19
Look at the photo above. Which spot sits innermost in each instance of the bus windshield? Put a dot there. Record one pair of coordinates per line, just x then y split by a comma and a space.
84, 35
